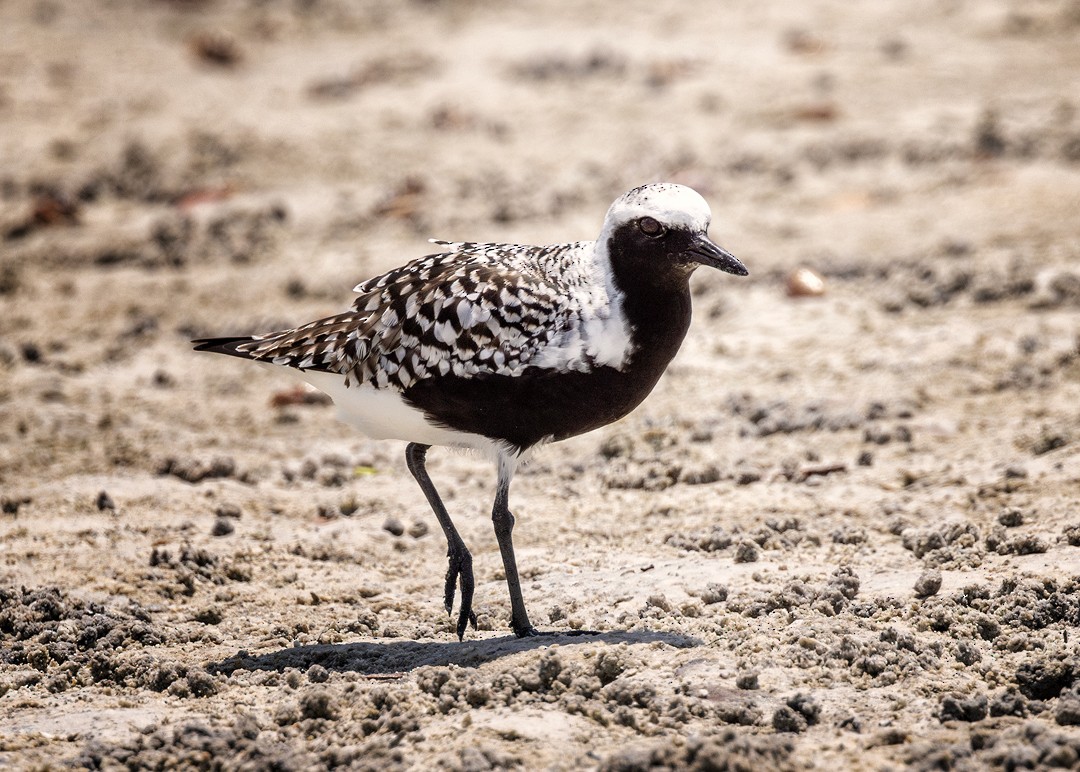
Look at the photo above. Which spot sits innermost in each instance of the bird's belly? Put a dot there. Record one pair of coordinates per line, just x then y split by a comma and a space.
531, 408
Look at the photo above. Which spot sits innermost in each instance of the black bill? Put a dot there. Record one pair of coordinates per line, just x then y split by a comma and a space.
708, 253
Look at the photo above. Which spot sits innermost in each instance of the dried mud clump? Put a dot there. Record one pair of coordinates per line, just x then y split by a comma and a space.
139, 174
655, 459
1029, 745
563, 67
923, 285
651, 475
796, 714
66, 642
775, 534
1016, 606
958, 708
181, 574
956, 545
1046, 678
928, 583
1067, 712
965, 545
198, 747
783, 417
728, 750
713, 540
829, 599
607, 688
195, 470
31, 615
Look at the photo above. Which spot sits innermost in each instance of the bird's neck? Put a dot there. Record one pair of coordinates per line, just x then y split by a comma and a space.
659, 319
658, 314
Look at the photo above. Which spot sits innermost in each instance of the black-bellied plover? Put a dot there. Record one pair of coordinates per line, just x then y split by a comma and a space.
503, 347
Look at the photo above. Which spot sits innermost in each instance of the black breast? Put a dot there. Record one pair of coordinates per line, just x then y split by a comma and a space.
541, 404
529, 408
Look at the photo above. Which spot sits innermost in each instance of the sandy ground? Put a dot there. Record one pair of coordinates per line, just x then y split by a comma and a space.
843, 533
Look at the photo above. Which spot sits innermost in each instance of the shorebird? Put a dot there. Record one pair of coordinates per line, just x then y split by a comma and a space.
501, 348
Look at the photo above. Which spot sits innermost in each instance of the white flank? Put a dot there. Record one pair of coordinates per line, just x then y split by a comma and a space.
383, 414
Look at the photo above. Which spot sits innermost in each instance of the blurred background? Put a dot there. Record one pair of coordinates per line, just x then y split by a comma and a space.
370, 122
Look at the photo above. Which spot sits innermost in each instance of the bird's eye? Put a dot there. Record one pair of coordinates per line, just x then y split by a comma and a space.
650, 227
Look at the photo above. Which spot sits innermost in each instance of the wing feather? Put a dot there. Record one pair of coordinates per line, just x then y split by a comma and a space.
473, 310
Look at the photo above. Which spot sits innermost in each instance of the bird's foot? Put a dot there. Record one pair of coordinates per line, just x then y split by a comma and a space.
460, 572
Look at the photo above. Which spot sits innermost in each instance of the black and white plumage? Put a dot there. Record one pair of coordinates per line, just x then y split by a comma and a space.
503, 347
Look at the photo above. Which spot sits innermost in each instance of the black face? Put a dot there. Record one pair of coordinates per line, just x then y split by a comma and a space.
649, 250
645, 250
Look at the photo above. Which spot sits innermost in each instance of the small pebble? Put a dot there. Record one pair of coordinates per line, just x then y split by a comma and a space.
394, 526
804, 283
659, 601
216, 48
747, 552
747, 680
10, 506
746, 475
1068, 711
852, 723
31, 353
714, 592
209, 616
928, 583
786, 719
228, 510
1010, 518
806, 706
968, 653
957, 708
104, 501
418, 529
223, 526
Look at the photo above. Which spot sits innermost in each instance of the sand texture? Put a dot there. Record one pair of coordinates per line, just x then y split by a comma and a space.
842, 533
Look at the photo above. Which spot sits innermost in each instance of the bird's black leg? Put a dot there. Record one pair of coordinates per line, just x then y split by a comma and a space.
460, 567
504, 526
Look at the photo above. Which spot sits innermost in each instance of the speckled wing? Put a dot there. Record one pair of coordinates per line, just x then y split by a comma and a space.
473, 310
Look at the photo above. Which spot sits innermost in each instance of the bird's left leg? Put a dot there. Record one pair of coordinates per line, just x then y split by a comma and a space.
503, 521
460, 567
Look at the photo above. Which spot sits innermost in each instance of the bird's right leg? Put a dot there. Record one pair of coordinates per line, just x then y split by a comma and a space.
460, 568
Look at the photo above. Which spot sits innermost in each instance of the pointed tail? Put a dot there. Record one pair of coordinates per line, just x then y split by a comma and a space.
230, 346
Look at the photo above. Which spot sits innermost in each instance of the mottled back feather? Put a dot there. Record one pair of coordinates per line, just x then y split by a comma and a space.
475, 309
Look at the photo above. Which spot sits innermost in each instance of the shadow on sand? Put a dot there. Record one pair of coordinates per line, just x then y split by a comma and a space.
400, 656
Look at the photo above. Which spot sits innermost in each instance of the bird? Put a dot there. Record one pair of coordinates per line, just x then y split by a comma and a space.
503, 348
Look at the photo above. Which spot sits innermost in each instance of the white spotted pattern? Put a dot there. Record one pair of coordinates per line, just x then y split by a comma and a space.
473, 309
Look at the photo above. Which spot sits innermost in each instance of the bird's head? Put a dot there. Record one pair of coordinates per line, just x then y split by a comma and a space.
661, 230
